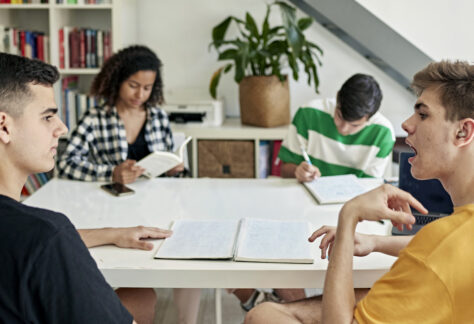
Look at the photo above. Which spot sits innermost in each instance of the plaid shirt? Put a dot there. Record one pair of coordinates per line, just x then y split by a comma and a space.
99, 143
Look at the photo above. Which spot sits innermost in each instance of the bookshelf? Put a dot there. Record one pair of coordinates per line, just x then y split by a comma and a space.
116, 16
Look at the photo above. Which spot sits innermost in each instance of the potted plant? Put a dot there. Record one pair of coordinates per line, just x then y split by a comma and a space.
258, 57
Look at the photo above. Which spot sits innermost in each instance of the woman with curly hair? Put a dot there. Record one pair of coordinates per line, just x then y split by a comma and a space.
109, 139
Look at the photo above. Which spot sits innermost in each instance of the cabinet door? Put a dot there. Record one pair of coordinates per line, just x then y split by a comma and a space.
226, 159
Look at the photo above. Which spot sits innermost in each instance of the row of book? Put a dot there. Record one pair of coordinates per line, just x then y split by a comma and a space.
83, 47
24, 1
31, 44
73, 103
269, 163
34, 182
79, 2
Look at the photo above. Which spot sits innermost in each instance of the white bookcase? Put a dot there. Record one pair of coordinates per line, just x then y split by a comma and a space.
118, 16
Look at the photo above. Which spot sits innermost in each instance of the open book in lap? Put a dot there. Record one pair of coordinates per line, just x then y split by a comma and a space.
335, 189
157, 163
248, 239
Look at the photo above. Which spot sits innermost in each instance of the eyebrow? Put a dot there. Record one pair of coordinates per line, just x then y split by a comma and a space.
138, 83
49, 111
420, 105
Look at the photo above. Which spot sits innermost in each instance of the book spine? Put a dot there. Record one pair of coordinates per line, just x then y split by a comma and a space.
61, 49
82, 48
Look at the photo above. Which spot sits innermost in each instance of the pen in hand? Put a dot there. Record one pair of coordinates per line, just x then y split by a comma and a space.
305, 155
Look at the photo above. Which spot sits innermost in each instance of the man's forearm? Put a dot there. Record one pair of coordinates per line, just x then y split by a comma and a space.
96, 237
338, 296
391, 245
287, 170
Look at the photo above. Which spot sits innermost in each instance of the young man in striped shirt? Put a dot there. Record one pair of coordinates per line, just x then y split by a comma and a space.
343, 136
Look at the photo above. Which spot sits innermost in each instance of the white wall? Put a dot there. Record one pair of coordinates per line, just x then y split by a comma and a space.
440, 28
180, 32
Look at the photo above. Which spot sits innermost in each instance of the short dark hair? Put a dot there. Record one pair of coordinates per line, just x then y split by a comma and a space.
16, 73
358, 97
455, 83
120, 66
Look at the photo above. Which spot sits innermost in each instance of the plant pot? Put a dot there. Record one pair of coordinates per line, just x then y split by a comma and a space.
264, 101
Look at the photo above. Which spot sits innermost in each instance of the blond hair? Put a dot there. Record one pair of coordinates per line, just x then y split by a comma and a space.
455, 82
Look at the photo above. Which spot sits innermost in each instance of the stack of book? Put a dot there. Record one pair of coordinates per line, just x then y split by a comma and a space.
31, 44
73, 103
83, 47
23, 1
82, 1
34, 182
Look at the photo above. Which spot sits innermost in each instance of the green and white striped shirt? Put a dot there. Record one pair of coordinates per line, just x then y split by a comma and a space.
365, 153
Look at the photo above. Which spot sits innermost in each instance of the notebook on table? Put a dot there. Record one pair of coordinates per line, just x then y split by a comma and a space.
429, 192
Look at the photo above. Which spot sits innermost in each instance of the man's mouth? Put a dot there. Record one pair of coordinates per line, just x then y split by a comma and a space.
411, 147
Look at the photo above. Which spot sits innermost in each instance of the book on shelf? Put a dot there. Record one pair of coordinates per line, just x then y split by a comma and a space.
34, 182
157, 163
247, 239
73, 103
335, 189
275, 160
31, 44
83, 47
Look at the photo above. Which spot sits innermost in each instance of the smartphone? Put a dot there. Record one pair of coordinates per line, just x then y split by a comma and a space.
117, 189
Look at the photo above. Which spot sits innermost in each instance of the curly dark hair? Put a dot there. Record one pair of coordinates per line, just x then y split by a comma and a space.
120, 66
16, 72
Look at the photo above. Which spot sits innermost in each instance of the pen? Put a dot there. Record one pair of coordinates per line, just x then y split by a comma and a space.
305, 155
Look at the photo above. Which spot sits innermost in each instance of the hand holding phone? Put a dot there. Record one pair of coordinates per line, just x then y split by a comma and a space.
117, 189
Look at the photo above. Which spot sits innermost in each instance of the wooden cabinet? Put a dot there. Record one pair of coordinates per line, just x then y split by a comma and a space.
229, 150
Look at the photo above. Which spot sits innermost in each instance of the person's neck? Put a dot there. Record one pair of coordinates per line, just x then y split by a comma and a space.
460, 181
124, 109
11, 182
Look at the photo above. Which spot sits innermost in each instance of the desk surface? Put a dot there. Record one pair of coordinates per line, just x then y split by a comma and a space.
159, 201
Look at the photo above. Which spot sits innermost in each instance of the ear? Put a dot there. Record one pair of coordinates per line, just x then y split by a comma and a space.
465, 132
5, 121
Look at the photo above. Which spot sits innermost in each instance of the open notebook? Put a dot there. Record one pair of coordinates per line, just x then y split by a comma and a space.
248, 239
335, 189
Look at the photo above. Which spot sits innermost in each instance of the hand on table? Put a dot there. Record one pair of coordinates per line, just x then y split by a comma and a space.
306, 172
127, 172
131, 237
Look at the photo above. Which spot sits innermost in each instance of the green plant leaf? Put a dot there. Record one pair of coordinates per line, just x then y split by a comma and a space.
313, 45
277, 47
218, 32
251, 25
228, 54
304, 23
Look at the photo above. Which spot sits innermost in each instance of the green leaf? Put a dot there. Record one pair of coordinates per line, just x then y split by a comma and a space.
313, 45
228, 54
293, 65
304, 23
251, 25
218, 32
278, 47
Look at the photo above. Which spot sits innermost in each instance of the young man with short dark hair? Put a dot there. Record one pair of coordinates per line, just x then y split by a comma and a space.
431, 281
47, 274
343, 136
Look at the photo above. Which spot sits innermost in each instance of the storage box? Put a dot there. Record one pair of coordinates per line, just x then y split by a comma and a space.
226, 159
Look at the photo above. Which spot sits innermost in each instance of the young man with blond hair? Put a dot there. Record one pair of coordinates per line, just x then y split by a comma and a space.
431, 281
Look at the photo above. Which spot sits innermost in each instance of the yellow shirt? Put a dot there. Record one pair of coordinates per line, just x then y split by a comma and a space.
433, 279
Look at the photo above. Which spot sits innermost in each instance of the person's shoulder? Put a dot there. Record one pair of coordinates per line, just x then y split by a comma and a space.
379, 119
157, 111
326, 105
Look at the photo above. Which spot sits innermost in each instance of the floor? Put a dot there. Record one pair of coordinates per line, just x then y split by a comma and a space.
231, 311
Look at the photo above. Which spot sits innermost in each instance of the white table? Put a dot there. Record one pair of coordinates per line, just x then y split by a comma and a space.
159, 201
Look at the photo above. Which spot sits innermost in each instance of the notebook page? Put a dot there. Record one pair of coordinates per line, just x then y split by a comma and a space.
264, 240
200, 239
335, 189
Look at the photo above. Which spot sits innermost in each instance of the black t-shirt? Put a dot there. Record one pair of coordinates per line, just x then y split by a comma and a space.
139, 149
47, 274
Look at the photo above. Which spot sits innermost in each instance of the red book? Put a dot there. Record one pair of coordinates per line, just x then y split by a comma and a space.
276, 162
82, 48
74, 49
107, 45
40, 47
22, 43
61, 48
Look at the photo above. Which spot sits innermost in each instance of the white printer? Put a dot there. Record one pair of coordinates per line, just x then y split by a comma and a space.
204, 112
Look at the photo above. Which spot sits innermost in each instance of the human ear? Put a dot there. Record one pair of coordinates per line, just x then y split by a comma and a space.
465, 132
4, 127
